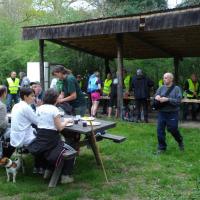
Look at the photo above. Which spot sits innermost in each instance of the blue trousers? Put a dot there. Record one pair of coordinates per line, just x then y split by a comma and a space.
168, 120
9, 100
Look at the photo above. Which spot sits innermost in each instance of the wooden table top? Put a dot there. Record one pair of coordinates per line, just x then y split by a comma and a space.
190, 101
78, 128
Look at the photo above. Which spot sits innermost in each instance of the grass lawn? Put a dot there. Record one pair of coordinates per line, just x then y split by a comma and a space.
134, 171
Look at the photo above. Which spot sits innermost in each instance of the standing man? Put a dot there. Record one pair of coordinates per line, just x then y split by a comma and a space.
191, 91
12, 84
169, 97
141, 87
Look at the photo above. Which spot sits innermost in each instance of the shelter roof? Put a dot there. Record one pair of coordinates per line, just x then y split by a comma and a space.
169, 33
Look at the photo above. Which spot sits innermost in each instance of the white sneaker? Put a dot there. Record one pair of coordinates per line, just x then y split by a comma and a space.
47, 174
66, 179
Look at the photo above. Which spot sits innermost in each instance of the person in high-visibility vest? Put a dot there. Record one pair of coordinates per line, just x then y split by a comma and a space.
191, 91
13, 85
80, 81
106, 91
160, 83
126, 81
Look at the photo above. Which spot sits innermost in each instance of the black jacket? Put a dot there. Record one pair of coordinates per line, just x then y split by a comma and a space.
141, 85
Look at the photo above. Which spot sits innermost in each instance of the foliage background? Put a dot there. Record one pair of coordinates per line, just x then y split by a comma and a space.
15, 52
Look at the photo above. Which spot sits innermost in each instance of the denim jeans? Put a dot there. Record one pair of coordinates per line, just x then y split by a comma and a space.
9, 100
169, 120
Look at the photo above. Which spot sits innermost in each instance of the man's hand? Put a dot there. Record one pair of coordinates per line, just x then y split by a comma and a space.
59, 100
158, 97
164, 99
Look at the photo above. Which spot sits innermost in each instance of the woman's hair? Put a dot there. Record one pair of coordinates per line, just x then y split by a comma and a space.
50, 96
25, 92
3, 89
61, 69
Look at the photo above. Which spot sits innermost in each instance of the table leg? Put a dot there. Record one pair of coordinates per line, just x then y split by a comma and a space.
56, 174
93, 144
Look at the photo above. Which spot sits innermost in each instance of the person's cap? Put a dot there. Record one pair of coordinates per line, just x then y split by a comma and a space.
139, 72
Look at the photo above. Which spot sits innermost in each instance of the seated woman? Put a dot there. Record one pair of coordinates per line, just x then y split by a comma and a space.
23, 116
22, 120
5, 150
48, 141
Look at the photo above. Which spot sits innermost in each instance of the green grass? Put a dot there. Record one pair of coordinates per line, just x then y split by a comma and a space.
133, 170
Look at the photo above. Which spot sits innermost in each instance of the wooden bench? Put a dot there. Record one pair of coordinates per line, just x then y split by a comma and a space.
114, 138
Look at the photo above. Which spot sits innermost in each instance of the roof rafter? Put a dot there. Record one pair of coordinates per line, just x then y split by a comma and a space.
77, 48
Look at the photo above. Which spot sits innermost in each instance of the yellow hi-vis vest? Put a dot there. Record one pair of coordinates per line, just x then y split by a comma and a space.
192, 87
106, 87
127, 82
160, 83
13, 86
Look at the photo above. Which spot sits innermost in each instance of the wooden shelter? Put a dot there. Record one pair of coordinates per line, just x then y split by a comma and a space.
171, 33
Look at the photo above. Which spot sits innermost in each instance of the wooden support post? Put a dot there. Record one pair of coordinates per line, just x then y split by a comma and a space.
119, 40
176, 69
107, 68
41, 50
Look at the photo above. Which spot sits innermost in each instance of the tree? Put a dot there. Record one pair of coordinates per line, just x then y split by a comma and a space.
125, 7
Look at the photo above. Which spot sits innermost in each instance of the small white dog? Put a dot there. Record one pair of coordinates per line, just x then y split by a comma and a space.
11, 167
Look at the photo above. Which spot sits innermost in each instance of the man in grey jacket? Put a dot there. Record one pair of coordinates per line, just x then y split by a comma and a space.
168, 112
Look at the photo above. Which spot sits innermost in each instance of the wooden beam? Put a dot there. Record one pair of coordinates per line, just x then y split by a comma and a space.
119, 41
107, 68
76, 48
176, 69
152, 46
41, 51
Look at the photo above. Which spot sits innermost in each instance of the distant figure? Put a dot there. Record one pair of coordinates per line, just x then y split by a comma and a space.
126, 82
80, 81
106, 91
12, 83
168, 112
160, 83
24, 80
141, 87
113, 97
191, 91
53, 83
36, 86
94, 86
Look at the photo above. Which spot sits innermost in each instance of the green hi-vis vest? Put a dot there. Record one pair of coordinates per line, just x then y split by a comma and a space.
106, 87
13, 86
160, 83
192, 88
127, 82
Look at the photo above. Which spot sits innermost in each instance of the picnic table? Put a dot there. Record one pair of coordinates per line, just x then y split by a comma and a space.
185, 100
124, 97
91, 138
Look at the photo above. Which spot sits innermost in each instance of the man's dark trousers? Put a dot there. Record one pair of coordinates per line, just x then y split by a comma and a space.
142, 103
169, 120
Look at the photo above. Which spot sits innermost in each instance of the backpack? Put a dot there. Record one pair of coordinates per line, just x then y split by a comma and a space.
92, 86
